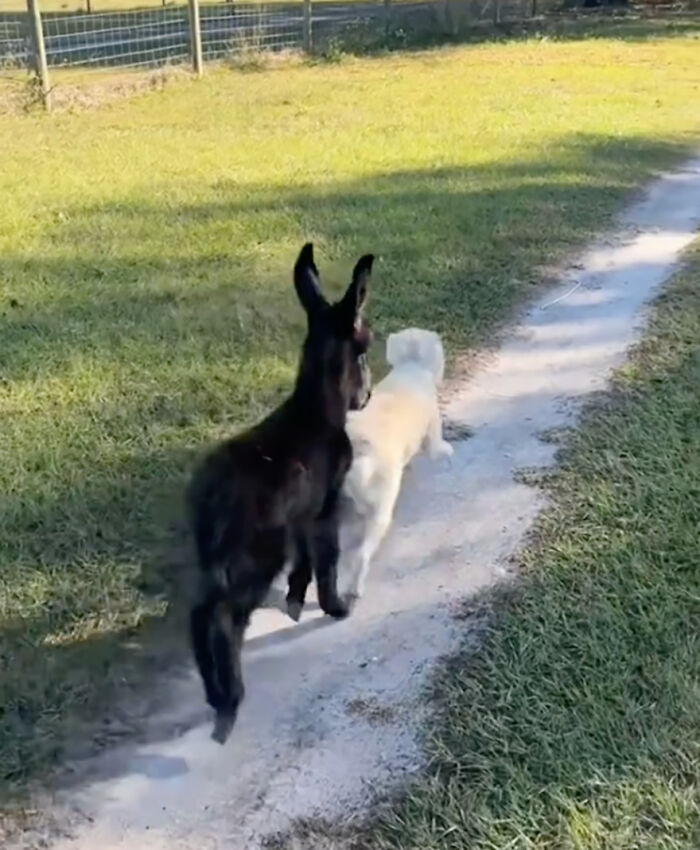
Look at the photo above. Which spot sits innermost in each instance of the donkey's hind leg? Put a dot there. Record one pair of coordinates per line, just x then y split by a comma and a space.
219, 621
217, 630
326, 550
202, 616
299, 578
227, 645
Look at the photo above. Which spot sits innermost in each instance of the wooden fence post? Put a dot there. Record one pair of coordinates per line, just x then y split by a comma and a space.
195, 37
308, 34
40, 65
451, 26
387, 18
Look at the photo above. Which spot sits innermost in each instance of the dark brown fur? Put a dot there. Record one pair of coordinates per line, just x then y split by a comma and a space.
271, 494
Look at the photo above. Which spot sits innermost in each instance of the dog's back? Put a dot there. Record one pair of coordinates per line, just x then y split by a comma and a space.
393, 424
390, 430
401, 416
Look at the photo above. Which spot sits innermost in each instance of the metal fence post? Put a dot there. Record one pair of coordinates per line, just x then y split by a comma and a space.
195, 37
497, 11
308, 35
40, 65
387, 18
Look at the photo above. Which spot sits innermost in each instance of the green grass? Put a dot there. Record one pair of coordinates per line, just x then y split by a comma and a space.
576, 726
146, 306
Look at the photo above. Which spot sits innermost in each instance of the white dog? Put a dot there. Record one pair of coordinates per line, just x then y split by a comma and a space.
401, 417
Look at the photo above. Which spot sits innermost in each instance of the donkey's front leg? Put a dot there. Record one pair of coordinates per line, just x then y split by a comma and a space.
326, 548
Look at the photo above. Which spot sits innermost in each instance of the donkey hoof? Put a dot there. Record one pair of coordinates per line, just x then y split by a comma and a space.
338, 610
294, 609
223, 725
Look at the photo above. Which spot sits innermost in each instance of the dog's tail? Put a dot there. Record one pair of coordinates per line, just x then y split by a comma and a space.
419, 346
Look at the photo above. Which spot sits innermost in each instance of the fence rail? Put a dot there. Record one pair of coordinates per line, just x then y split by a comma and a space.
151, 37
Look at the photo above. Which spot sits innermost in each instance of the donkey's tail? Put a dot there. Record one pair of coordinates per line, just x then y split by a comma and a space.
216, 628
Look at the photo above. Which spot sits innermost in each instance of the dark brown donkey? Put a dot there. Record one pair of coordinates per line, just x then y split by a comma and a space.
271, 494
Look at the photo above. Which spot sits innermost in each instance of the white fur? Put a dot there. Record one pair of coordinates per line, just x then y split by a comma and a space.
401, 417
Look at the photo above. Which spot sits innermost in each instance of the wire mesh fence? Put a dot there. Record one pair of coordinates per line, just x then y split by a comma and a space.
151, 37
14, 46
231, 28
174, 34
128, 39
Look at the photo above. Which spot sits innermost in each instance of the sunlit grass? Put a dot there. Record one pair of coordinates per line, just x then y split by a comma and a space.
146, 305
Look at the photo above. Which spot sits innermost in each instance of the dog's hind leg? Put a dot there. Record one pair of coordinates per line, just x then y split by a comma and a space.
437, 446
376, 525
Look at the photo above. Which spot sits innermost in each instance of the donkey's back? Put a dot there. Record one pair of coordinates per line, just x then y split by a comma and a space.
274, 477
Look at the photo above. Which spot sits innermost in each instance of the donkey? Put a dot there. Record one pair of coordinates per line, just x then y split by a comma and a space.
271, 494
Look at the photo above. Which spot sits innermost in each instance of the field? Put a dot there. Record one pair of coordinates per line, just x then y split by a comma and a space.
577, 724
146, 306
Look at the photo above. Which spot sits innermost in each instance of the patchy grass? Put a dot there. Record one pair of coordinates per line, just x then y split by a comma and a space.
146, 306
577, 724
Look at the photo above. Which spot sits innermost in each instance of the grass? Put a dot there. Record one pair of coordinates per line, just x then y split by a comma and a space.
577, 724
146, 306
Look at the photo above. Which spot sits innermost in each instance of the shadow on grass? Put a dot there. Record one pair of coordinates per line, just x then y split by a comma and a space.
183, 347
455, 245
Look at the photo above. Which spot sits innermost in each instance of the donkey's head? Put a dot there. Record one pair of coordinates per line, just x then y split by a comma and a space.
334, 369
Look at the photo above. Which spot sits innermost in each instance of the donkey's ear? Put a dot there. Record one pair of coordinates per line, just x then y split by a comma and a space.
356, 294
306, 281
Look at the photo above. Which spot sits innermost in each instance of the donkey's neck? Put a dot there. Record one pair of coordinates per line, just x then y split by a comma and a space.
320, 400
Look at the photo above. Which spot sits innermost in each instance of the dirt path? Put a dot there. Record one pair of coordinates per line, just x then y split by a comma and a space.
331, 708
